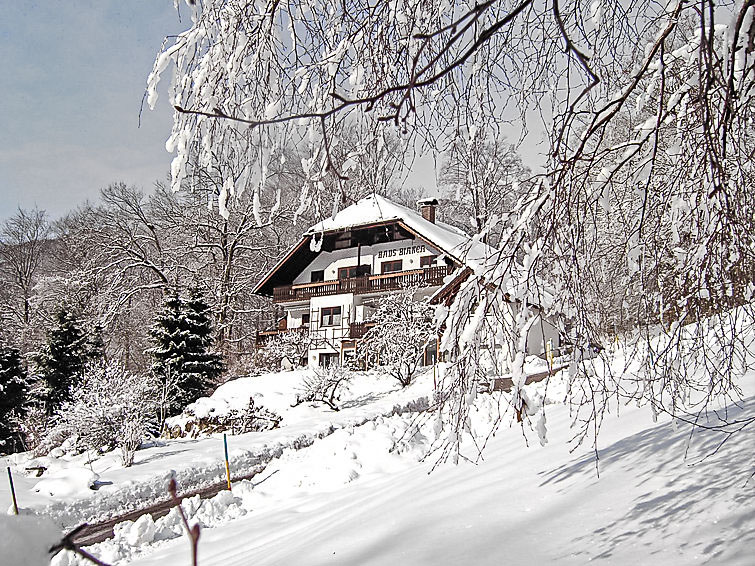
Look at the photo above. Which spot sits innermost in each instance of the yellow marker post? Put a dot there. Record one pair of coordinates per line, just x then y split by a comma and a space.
227, 465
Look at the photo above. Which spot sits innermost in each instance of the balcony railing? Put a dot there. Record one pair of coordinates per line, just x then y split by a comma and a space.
359, 329
428, 277
264, 336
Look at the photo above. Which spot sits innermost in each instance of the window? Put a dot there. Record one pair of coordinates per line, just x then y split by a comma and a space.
330, 316
354, 271
342, 241
328, 360
347, 272
391, 266
305, 319
427, 260
318, 275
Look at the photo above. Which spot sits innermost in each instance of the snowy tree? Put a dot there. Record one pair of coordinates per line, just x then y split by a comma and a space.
14, 397
404, 328
482, 178
291, 346
120, 255
23, 242
184, 362
201, 360
647, 110
325, 386
60, 364
110, 408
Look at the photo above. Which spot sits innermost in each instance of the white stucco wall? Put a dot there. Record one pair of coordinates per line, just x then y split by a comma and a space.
328, 337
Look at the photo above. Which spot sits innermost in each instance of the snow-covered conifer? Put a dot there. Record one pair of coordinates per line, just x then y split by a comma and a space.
61, 362
184, 361
14, 392
201, 360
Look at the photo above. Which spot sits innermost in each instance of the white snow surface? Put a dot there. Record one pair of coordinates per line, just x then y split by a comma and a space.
64, 492
349, 488
25, 540
375, 208
662, 497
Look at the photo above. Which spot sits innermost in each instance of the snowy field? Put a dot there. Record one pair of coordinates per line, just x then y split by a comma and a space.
345, 500
64, 494
333, 492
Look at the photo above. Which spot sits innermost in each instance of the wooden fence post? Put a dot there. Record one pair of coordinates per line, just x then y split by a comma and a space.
12, 492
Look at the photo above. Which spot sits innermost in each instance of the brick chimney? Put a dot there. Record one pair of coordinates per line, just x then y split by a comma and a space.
427, 208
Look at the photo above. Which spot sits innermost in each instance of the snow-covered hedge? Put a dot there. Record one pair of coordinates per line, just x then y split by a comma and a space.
209, 415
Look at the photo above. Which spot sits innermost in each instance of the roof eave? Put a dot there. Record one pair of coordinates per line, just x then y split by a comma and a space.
279, 264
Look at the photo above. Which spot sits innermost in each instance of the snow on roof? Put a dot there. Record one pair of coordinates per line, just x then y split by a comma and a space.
375, 208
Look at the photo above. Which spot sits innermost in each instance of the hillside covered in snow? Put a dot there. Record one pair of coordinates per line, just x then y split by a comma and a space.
353, 487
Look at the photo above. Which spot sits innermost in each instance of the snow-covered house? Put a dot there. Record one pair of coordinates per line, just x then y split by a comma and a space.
330, 282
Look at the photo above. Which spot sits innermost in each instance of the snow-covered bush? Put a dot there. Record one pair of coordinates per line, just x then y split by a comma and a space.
197, 419
287, 349
36, 430
398, 341
110, 408
325, 386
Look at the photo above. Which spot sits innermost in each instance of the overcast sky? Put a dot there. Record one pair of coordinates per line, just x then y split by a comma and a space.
72, 76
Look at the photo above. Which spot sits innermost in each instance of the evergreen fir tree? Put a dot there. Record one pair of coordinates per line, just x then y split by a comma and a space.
14, 394
203, 366
184, 362
61, 363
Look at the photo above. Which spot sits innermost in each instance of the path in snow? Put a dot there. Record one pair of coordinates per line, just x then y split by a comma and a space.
197, 464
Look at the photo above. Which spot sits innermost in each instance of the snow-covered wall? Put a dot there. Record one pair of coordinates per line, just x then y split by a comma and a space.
539, 335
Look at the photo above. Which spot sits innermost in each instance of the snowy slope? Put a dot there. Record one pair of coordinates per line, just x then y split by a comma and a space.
333, 492
348, 500
63, 492
523, 505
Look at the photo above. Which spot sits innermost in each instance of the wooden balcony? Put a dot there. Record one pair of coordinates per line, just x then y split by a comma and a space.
359, 329
428, 277
264, 336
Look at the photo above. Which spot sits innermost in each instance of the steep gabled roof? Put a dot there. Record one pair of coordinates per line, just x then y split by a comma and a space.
376, 210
